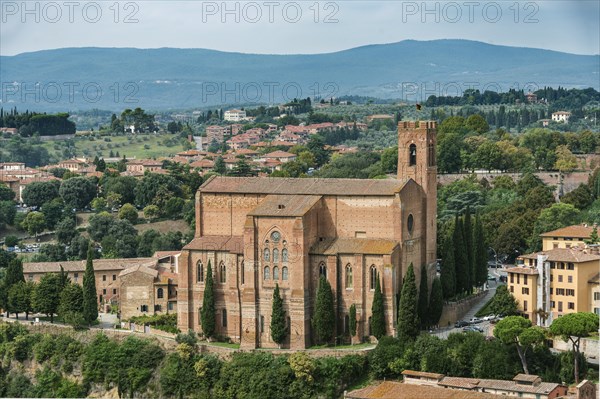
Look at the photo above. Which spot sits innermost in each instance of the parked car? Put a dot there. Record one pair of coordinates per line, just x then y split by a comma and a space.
491, 278
475, 320
460, 323
489, 317
473, 328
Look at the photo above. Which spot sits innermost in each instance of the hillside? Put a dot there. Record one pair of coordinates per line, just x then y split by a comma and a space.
185, 78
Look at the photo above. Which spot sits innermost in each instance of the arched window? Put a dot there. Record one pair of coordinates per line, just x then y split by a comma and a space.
275, 255
322, 270
349, 281
266, 255
275, 273
373, 274
370, 333
224, 318
412, 155
242, 271
267, 273
284, 255
431, 154
222, 273
410, 223
284, 273
200, 271
159, 293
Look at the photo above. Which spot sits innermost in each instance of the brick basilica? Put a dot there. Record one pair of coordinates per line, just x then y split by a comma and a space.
258, 232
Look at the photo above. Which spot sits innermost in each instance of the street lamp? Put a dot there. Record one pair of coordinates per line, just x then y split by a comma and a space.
496, 256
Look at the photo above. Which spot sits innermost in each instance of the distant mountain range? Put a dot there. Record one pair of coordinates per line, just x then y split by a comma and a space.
170, 78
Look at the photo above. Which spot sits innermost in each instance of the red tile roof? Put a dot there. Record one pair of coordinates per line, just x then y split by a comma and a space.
575, 231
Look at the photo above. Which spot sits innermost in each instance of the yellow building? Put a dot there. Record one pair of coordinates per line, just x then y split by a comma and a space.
567, 237
554, 282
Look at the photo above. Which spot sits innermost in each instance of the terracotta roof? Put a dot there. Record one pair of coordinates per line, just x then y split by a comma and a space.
141, 269
398, 390
522, 270
459, 382
233, 244
513, 386
576, 231
574, 255
279, 154
302, 186
334, 246
413, 373
527, 377
79, 266
285, 205
162, 254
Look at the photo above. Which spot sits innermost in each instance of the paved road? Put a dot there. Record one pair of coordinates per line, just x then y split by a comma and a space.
444, 332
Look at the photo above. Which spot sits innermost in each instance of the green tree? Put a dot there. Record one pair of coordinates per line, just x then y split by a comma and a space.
34, 223
470, 255
479, 253
128, 212
77, 192
423, 305
46, 296
53, 212
448, 153
14, 273
6, 194
503, 302
38, 193
65, 230
90, 296
220, 165
8, 212
71, 299
352, 321
323, 320
207, 314
555, 217
572, 327
436, 302
11, 240
477, 123
377, 312
448, 271
565, 160
461, 259
151, 212
518, 331
19, 298
278, 328
408, 317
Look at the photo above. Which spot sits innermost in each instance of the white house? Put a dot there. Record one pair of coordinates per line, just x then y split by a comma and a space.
561, 116
234, 115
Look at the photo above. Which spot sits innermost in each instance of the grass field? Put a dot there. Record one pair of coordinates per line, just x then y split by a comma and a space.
138, 146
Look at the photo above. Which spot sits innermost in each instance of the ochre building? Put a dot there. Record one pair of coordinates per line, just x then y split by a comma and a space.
259, 232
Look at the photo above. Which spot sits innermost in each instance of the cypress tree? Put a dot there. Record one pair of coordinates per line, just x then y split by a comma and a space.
436, 302
90, 301
460, 257
14, 273
352, 321
448, 272
480, 253
423, 298
378, 317
408, 320
278, 330
324, 319
470, 254
207, 316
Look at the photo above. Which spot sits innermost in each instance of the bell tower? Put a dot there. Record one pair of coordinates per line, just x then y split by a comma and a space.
417, 161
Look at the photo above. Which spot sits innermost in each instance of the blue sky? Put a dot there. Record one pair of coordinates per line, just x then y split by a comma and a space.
283, 27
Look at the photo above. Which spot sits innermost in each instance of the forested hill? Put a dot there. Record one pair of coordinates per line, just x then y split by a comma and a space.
186, 78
